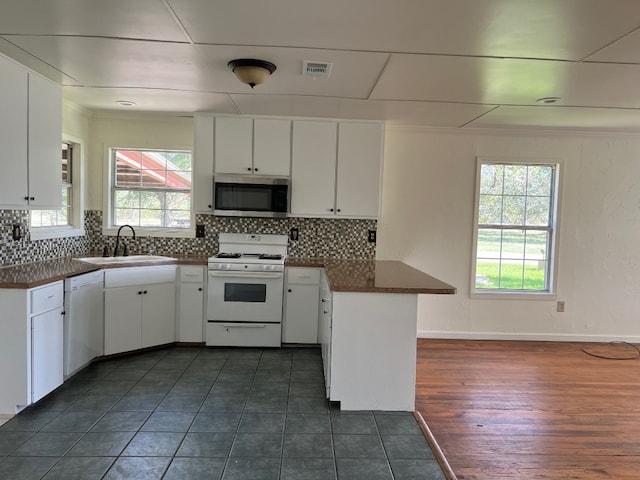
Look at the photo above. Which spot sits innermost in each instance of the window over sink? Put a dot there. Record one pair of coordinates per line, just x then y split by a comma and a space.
151, 189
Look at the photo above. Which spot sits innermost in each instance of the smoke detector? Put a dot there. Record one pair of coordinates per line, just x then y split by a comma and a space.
316, 69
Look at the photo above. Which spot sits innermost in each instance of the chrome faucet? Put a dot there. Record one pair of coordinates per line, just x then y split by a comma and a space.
126, 249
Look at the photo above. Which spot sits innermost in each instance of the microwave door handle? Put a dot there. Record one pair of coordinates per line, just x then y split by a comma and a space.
245, 274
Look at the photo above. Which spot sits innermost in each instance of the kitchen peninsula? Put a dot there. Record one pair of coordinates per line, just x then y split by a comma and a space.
367, 324
367, 330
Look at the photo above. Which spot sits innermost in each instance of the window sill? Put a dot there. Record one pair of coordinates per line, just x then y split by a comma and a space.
503, 295
152, 232
45, 233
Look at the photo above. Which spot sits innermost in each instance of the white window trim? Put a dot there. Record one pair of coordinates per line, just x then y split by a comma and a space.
110, 230
552, 293
76, 229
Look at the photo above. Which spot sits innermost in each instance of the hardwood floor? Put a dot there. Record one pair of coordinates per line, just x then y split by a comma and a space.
531, 410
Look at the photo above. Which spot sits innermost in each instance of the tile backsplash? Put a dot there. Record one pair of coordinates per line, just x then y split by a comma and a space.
317, 237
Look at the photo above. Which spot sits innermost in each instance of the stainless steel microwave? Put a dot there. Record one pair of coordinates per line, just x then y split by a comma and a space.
251, 196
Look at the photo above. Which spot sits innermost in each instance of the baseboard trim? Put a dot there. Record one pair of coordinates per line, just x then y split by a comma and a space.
542, 337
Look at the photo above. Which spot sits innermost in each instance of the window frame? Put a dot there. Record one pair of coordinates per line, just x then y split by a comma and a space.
108, 228
76, 226
516, 294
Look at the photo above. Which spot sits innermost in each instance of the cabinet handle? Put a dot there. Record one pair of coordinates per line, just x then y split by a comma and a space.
209, 206
331, 209
255, 169
26, 198
339, 210
200, 289
323, 300
145, 292
140, 293
63, 312
249, 169
32, 198
289, 290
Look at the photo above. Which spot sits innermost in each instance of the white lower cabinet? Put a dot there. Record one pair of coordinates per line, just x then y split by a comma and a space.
47, 339
139, 308
190, 311
31, 345
324, 329
300, 322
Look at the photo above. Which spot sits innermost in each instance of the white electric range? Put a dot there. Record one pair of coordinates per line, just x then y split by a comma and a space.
245, 287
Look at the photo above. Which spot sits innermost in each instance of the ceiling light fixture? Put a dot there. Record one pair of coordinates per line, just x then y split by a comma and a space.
548, 100
125, 103
251, 71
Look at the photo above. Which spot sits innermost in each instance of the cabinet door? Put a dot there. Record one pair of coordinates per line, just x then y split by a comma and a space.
158, 314
122, 317
45, 137
359, 162
234, 145
46, 353
13, 134
272, 147
313, 168
191, 312
301, 314
203, 164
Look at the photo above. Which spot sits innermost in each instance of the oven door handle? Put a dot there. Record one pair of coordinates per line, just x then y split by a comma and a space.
244, 325
241, 274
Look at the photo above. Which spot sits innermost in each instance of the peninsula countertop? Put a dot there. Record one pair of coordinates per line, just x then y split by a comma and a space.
378, 276
374, 276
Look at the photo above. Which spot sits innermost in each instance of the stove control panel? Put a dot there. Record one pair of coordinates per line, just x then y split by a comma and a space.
247, 267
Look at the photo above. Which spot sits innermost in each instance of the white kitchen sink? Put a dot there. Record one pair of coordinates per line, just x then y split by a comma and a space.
127, 259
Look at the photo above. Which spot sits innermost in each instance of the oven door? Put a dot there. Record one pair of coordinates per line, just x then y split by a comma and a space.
239, 296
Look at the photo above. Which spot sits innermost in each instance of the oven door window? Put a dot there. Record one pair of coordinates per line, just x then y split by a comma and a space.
245, 292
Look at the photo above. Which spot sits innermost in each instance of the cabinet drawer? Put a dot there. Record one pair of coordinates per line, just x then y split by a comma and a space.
126, 277
303, 275
192, 274
243, 334
46, 298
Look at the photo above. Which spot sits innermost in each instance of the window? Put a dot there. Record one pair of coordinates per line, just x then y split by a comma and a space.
151, 188
62, 217
516, 227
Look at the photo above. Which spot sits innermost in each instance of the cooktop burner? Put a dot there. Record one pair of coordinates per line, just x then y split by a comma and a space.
228, 255
269, 256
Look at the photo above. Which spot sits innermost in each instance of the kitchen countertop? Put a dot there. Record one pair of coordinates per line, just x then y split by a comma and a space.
375, 276
29, 275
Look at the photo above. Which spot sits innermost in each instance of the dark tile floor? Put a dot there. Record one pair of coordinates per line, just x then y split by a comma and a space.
208, 413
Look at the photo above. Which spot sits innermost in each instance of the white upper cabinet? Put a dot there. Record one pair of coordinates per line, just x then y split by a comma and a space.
336, 169
13, 134
203, 163
313, 168
252, 147
45, 137
30, 134
359, 165
272, 147
234, 145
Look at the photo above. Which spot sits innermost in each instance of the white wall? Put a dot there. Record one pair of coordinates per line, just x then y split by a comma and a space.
133, 131
427, 222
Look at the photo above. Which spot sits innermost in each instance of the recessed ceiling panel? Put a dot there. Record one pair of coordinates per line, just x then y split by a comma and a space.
594, 119
144, 19
118, 63
507, 81
401, 113
625, 50
149, 100
566, 29
353, 74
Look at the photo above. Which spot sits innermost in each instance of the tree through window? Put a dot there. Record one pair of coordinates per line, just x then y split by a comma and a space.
515, 231
152, 188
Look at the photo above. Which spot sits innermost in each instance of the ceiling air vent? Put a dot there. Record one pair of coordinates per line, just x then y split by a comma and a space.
316, 69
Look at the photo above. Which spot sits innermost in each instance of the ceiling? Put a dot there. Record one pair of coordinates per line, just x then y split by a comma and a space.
445, 63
